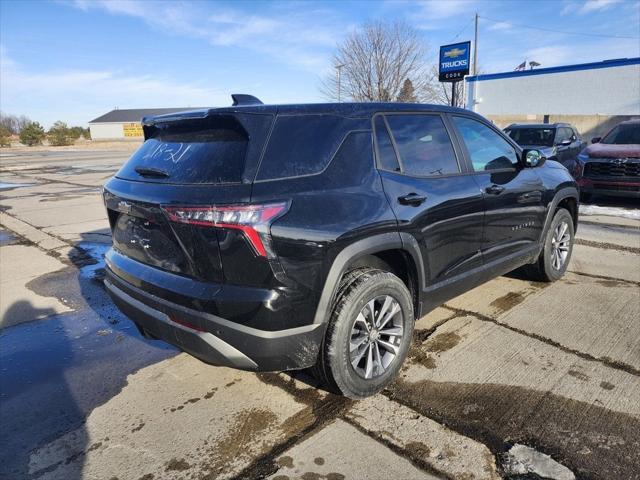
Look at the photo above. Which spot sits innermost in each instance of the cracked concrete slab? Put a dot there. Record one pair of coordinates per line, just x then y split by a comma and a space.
561, 314
21, 264
424, 440
608, 263
176, 418
496, 385
342, 452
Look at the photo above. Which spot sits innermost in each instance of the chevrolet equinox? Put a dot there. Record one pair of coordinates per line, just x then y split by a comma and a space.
281, 237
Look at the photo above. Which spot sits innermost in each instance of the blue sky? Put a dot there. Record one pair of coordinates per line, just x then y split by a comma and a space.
74, 60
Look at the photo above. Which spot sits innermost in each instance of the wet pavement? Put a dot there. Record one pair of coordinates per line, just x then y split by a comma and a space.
514, 379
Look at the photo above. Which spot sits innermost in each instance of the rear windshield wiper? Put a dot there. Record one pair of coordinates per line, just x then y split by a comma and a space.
151, 172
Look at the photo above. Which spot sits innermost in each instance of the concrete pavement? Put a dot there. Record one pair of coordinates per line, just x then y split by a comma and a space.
554, 369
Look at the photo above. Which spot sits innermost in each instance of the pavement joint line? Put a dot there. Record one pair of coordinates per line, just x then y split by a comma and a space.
605, 277
607, 361
604, 224
607, 246
402, 452
49, 251
325, 412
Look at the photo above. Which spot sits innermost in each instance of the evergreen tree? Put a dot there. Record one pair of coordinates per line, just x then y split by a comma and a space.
32, 134
407, 93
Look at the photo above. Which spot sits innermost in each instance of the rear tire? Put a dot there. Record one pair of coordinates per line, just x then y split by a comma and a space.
369, 333
554, 258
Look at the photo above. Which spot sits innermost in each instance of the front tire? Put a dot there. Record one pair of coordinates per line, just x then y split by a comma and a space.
556, 251
369, 333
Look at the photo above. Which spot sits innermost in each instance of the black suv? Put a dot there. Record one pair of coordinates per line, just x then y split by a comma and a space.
556, 141
279, 237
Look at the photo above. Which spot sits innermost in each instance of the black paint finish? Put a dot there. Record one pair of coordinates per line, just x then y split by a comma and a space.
455, 230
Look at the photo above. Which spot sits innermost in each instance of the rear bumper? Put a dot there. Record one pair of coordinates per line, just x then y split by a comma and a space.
215, 340
607, 187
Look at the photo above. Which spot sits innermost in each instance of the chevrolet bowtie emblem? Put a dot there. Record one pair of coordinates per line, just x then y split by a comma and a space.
454, 52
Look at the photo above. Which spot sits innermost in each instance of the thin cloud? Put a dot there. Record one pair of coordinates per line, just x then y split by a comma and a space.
84, 94
597, 5
299, 38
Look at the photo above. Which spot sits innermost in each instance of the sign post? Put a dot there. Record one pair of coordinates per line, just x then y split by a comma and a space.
454, 65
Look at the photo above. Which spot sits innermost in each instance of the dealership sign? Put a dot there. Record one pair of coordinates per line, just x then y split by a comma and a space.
454, 62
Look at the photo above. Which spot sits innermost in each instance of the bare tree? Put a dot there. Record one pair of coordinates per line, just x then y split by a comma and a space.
374, 62
434, 91
13, 123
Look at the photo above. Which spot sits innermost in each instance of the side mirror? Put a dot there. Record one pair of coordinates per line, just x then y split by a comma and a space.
533, 158
596, 139
565, 143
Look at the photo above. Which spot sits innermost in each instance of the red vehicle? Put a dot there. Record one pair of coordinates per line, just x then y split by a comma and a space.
611, 165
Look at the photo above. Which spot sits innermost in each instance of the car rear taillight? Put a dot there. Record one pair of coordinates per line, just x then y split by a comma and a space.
253, 220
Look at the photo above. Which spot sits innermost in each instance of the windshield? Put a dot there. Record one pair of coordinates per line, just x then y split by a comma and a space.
628, 134
532, 136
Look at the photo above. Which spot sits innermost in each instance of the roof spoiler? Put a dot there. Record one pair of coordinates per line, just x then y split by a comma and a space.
240, 99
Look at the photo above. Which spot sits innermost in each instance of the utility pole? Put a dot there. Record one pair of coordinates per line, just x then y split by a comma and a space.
339, 69
475, 48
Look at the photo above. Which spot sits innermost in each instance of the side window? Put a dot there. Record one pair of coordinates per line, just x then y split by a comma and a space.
387, 159
423, 144
562, 135
568, 134
301, 145
488, 150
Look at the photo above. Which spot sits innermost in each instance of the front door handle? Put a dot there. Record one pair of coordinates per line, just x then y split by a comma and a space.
494, 190
412, 199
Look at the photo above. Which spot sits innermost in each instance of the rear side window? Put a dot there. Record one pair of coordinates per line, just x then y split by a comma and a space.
210, 150
301, 145
423, 144
487, 149
387, 159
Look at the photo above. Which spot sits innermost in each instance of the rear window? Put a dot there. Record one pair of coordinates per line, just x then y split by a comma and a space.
210, 150
532, 136
301, 145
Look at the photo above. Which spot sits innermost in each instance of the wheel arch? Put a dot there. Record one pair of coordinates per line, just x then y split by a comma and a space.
567, 197
388, 251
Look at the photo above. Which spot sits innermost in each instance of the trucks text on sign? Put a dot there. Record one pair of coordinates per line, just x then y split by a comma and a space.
454, 62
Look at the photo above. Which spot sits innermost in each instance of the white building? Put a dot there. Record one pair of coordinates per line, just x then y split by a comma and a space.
121, 124
593, 95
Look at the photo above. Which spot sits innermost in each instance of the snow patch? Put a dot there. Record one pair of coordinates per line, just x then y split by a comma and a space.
521, 460
610, 211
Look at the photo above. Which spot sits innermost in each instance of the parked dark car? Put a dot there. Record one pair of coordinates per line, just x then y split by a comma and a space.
279, 237
611, 165
557, 141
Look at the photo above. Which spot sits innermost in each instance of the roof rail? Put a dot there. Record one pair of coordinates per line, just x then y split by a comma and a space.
243, 99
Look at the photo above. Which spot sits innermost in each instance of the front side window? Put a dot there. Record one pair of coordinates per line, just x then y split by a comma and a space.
487, 149
424, 145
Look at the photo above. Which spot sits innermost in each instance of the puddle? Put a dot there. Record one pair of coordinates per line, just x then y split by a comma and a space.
95, 251
10, 186
8, 238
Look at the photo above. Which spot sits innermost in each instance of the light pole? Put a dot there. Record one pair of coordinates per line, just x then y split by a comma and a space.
339, 70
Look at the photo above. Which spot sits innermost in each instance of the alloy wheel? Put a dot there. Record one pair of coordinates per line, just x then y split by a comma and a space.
560, 245
376, 337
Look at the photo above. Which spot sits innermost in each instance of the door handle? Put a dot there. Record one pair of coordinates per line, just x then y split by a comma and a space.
412, 199
494, 189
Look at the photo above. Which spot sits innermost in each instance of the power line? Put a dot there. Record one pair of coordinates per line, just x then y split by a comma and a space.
463, 29
559, 31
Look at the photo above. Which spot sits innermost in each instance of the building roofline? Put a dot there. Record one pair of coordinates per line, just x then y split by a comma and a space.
618, 62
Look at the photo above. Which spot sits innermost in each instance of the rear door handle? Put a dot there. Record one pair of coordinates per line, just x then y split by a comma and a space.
494, 189
412, 199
